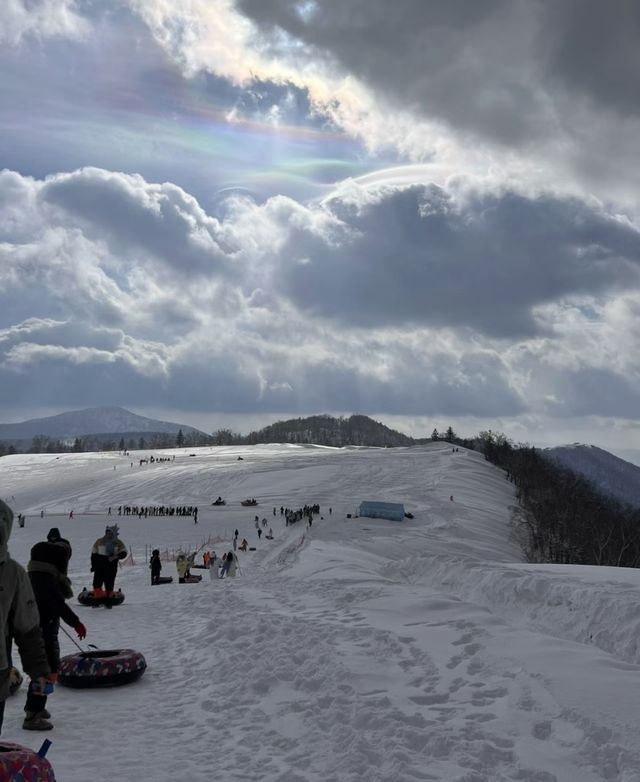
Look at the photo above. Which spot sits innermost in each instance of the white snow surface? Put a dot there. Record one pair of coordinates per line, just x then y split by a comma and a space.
357, 649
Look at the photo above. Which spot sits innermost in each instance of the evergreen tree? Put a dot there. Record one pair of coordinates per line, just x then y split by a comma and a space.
434, 435
180, 439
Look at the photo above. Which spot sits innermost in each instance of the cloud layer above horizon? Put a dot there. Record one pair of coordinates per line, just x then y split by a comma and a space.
184, 223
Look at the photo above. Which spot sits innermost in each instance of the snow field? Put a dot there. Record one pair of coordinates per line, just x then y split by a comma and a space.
358, 649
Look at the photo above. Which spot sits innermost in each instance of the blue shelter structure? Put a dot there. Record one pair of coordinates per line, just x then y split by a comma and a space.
394, 511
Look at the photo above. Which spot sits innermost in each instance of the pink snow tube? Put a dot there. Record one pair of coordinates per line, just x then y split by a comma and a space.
21, 764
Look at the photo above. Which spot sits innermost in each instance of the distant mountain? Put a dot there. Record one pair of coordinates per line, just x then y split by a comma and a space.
94, 420
326, 430
608, 473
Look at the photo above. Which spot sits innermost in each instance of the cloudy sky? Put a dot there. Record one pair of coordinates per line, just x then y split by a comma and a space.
225, 212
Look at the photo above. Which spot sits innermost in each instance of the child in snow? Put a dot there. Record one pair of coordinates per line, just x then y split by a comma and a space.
213, 565
105, 553
47, 570
229, 565
244, 545
232, 562
182, 566
17, 599
156, 566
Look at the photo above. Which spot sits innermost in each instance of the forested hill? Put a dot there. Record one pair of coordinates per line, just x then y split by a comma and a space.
326, 430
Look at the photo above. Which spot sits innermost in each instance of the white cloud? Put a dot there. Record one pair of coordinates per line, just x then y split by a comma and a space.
388, 299
497, 86
40, 19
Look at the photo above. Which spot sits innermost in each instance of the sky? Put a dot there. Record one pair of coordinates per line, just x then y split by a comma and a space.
228, 213
355, 649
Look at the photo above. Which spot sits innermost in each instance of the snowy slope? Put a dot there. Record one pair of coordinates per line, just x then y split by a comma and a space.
608, 473
358, 649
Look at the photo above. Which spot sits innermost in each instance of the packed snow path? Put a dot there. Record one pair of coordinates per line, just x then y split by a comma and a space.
357, 649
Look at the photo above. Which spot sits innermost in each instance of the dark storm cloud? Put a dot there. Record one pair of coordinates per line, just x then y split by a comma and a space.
228, 384
595, 392
419, 255
557, 81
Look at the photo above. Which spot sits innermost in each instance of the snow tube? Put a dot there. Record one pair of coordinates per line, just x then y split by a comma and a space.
165, 580
192, 579
21, 764
102, 668
88, 598
248, 503
221, 502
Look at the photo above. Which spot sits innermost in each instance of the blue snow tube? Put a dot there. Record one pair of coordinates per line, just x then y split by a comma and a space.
102, 668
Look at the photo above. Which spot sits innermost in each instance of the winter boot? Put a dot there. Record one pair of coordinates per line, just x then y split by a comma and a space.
33, 721
44, 713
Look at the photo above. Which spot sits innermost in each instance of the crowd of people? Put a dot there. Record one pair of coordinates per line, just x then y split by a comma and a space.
157, 510
306, 512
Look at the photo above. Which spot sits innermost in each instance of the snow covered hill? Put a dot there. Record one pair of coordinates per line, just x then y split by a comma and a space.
93, 420
354, 650
608, 473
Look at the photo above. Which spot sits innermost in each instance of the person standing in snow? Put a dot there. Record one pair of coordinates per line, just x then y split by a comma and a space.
19, 618
47, 570
228, 561
105, 553
156, 566
230, 564
213, 565
182, 566
232, 561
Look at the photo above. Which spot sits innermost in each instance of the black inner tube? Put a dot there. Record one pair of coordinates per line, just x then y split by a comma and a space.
102, 653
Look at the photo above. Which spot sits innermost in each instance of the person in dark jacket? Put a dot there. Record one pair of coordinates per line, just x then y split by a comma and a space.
156, 566
47, 570
53, 536
19, 619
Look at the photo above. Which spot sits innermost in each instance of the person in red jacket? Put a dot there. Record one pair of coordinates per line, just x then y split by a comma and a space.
47, 571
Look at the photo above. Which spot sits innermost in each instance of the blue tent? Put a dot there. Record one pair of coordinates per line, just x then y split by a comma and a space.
394, 511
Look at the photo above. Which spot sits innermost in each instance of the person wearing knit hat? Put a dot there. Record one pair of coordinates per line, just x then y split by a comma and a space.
47, 570
17, 599
54, 536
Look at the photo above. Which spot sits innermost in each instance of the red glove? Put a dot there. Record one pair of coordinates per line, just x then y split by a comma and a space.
53, 678
81, 630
